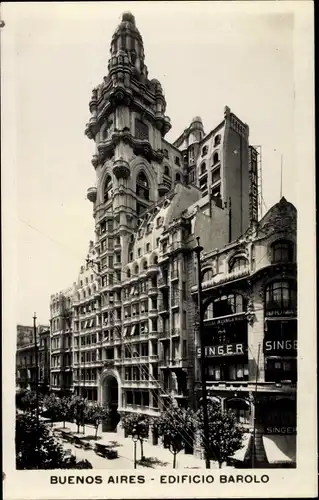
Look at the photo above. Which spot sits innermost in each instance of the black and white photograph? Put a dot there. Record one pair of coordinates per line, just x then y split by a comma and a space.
152, 215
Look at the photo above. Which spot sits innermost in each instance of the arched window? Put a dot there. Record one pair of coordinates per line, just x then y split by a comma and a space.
145, 264
280, 295
89, 291
128, 273
207, 274
225, 305
204, 150
166, 171
155, 260
215, 158
178, 177
108, 188
203, 168
136, 269
282, 251
105, 133
79, 296
217, 140
142, 186
238, 263
84, 294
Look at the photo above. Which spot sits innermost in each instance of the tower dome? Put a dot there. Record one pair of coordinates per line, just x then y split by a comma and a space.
128, 39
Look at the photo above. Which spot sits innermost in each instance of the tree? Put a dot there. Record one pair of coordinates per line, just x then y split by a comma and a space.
78, 407
51, 407
36, 447
65, 409
136, 425
29, 403
225, 433
176, 427
94, 414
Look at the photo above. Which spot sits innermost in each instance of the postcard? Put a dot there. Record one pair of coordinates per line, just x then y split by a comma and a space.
158, 250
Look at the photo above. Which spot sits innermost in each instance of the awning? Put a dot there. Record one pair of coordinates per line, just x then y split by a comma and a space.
280, 448
243, 453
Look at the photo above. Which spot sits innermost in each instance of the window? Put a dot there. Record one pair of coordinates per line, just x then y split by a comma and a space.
203, 168
142, 186
139, 252
177, 161
238, 264
225, 306
141, 129
145, 265
165, 153
157, 242
104, 133
217, 140
155, 260
166, 171
178, 177
280, 295
215, 158
148, 247
136, 269
282, 251
128, 273
130, 258
216, 176
108, 189
204, 150
207, 274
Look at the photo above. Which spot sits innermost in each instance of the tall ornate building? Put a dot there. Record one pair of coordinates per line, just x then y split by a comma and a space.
150, 199
135, 342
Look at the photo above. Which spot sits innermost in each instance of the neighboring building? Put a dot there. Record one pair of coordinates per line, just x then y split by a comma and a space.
250, 327
26, 357
61, 380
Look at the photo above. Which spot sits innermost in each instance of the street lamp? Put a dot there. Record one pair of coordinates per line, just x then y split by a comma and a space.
135, 438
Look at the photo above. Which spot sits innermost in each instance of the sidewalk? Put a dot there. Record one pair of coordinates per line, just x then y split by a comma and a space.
125, 446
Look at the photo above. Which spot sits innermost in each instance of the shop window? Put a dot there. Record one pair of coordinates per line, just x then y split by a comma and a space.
107, 189
238, 264
281, 369
142, 186
241, 409
282, 251
281, 295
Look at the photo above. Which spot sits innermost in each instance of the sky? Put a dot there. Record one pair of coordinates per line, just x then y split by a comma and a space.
205, 58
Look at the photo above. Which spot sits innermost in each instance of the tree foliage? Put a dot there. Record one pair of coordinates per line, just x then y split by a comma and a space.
176, 427
225, 433
94, 414
36, 447
27, 401
138, 426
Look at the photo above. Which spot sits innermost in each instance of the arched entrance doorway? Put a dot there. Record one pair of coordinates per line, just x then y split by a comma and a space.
109, 395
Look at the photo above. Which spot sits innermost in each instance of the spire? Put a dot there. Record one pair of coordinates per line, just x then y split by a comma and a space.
128, 43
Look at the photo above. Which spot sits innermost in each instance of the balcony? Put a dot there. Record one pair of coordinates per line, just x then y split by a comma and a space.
144, 315
175, 302
117, 247
117, 285
163, 334
91, 194
153, 269
153, 290
174, 275
117, 266
154, 358
163, 308
222, 278
164, 363
162, 283
153, 313
176, 332
163, 189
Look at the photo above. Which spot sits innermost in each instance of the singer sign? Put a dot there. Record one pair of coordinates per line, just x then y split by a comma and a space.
223, 350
